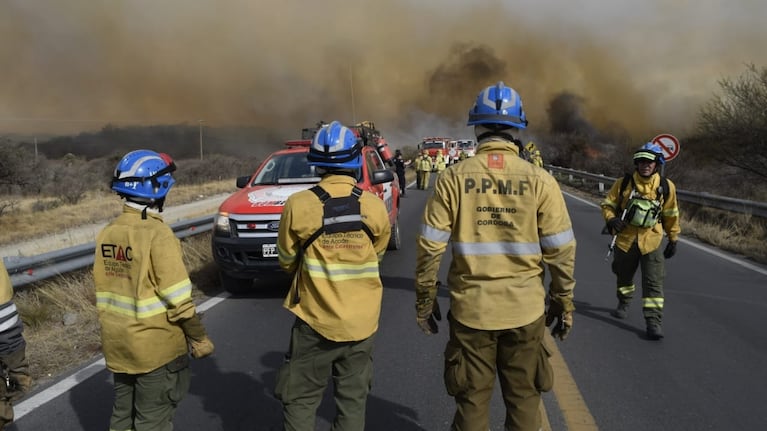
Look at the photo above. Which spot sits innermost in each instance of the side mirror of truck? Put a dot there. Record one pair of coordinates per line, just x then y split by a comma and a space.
242, 181
382, 176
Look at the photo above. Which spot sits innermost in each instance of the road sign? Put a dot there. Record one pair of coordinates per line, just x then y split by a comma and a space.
669, 144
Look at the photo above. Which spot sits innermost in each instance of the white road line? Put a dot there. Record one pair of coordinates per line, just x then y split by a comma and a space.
30, 404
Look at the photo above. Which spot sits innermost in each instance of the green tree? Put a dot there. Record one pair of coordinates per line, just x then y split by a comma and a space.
733, 124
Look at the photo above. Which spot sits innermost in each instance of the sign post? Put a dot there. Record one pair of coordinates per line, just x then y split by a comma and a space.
669, 144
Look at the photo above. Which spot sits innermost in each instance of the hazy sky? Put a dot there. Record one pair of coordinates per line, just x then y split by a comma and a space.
412, 66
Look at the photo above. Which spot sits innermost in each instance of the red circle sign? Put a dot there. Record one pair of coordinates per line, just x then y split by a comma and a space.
669, 144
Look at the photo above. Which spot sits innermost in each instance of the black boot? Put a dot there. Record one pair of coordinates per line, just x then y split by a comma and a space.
654, 331
621, 312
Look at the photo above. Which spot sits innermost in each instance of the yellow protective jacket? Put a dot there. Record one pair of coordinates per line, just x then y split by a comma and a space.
648, 239
6, 288
142, 292
425, 164
417, 163
11, 327
441, 162
337, 278
505, 218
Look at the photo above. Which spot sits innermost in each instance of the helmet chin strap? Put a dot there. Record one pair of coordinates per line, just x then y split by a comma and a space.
152, 203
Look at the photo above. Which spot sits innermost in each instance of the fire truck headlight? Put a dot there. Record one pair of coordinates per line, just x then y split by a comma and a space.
221, 224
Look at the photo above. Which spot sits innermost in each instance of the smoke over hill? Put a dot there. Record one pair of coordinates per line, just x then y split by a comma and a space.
413, 67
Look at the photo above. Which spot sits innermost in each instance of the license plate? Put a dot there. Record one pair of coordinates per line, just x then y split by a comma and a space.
269, 250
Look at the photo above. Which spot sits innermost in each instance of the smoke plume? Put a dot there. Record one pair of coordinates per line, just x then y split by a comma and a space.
412, 67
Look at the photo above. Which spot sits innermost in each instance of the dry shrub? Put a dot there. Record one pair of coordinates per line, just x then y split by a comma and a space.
738, 233
61, 324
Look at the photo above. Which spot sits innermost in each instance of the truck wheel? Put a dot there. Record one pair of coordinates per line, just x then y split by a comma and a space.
235, 285
394, 241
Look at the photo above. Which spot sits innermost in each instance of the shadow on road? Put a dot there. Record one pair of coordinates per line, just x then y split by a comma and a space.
603, 314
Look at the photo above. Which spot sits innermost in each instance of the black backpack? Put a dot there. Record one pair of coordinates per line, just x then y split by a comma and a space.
338, 215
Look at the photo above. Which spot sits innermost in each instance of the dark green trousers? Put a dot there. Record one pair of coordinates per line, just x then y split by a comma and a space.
625, 265
472, 358
147, 402
311, 362
6, 412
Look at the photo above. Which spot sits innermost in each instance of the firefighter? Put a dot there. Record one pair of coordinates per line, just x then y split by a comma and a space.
149, 324
637, 209
463, 155
441, 162
399, 167
417, 167
13, 359
425, 166
534, 154
332, 238
505, 219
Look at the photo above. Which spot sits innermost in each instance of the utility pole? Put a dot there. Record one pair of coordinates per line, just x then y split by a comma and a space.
35, 149
200, 139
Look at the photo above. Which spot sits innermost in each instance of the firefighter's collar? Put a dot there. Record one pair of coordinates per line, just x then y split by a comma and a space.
495, 144
138, 207
645, 180
338, 179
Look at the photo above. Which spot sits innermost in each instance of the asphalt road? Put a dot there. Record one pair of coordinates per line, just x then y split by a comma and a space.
707, 374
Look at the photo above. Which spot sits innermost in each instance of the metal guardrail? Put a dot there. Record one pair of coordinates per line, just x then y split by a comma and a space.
740, 206
27, 270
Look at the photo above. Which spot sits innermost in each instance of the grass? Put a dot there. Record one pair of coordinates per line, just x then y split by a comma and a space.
97, 206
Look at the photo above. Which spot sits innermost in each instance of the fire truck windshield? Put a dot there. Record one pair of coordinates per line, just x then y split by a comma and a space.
432, 145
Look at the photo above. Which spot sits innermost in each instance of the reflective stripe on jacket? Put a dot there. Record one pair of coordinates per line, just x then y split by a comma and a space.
142, 291
648, 239
505, 218
338, 279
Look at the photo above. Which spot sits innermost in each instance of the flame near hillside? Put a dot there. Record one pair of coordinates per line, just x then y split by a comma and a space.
413, 67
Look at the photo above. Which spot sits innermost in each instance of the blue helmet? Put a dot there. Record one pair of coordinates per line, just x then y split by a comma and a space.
335, 146
144, 174
650, 151
498, 104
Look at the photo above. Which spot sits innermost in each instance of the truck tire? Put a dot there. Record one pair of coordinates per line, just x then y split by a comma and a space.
394, 241
235, 285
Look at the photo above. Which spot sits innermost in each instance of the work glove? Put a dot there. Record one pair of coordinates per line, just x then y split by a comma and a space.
615, 225
670, 250
199, 344
200, 348
427, 317
19, 380
563, 319
427, 309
